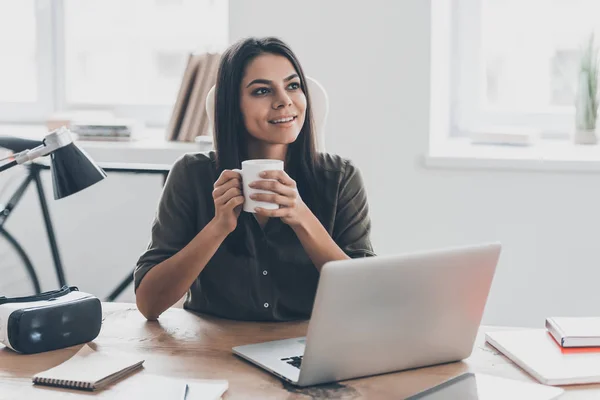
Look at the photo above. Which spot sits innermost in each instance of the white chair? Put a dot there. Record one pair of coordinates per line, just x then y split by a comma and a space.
320, 109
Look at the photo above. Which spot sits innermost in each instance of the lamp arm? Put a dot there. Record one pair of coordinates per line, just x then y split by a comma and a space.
56, 139
8, 165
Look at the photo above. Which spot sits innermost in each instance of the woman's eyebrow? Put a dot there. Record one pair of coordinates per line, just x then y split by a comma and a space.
268, 82
262, 81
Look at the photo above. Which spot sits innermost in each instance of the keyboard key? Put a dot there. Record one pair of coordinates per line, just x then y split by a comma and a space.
293, 361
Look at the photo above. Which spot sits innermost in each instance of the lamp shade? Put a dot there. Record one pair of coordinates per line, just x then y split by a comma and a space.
73, 170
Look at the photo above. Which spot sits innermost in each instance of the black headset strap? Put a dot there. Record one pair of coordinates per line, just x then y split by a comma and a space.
42, 296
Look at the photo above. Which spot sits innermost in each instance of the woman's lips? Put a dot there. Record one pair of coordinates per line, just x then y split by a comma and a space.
284, 122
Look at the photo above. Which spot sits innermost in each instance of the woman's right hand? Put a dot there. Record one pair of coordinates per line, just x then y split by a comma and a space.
228, 198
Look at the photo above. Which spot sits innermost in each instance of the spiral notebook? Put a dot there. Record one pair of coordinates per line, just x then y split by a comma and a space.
89, 369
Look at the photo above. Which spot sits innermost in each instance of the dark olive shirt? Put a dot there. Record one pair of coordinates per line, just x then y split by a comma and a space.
275, 279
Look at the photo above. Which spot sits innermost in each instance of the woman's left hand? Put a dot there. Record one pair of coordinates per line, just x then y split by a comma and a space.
292, 209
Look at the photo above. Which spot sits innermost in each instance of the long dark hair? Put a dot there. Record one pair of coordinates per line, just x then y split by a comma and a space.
230, 133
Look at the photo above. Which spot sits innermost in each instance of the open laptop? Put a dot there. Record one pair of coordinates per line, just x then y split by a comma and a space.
388, 313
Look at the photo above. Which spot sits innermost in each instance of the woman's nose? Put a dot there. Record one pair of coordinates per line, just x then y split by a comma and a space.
282, 100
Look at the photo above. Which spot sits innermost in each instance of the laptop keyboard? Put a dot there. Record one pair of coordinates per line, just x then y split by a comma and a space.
294, 361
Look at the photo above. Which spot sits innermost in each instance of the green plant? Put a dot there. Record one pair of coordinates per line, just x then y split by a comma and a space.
586, 106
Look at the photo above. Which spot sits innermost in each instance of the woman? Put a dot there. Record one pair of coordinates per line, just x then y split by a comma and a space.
262, 266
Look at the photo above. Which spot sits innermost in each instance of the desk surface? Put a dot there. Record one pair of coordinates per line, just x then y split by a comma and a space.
183, 344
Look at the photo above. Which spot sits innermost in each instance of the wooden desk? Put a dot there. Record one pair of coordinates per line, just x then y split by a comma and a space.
183, 344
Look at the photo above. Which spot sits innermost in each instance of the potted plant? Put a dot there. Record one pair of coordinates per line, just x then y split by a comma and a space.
586, 101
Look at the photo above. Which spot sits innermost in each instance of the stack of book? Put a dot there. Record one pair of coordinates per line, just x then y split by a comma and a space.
114, 130
95, 125
567, 352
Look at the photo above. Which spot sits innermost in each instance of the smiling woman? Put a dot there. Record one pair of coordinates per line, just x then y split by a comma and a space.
281, 123
265, 264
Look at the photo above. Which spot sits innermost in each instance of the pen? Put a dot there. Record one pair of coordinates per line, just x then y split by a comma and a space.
185, 391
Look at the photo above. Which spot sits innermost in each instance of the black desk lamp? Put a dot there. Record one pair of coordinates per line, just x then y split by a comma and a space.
72, 169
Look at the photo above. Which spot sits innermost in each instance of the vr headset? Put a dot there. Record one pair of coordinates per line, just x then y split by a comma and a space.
50, 320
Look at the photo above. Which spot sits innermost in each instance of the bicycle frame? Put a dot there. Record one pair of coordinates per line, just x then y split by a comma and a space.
34, 176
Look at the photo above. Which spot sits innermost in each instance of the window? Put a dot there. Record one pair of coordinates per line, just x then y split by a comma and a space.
515, 62
18, 78
125, 56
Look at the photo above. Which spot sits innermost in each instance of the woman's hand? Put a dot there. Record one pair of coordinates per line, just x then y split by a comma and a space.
228, 200
292, 209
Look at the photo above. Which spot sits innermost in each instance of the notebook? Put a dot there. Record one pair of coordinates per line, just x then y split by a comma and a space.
536, 351
89, 369
575, 332
150, 386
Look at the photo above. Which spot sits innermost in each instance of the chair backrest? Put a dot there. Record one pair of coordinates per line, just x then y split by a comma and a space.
320, 108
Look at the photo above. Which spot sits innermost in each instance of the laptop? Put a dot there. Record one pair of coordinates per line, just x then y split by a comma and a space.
387, 313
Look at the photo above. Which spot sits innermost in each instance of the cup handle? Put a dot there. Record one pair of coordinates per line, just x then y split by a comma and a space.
239, 171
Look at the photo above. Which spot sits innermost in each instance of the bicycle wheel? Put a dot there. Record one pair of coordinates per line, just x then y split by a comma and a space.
17, 276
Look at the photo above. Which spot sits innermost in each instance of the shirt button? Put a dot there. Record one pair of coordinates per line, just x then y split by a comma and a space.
266, 305
265, 272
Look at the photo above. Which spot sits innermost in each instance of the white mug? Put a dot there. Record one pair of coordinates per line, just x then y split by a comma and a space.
250, 172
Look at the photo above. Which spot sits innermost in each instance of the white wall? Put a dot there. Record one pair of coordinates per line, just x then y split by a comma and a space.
373, 58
